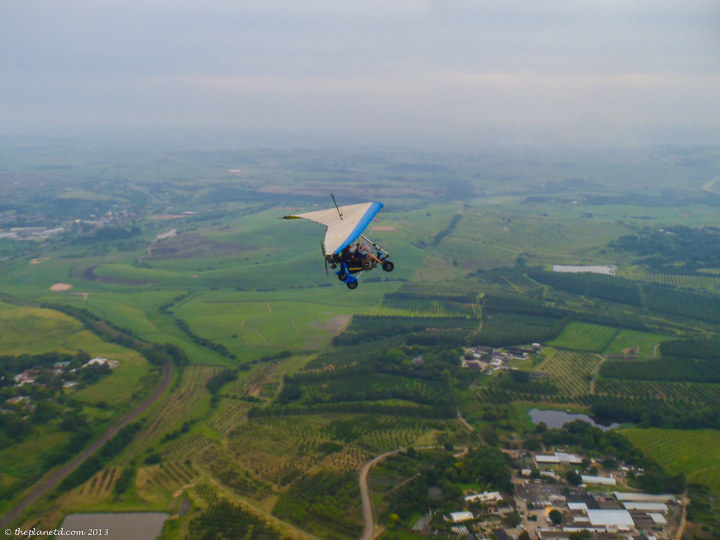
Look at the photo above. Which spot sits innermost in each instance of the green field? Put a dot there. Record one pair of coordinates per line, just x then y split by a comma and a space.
694, 453
321, 378
28, 330
570, 371
585, 337
31, 330
644, 342
251, 325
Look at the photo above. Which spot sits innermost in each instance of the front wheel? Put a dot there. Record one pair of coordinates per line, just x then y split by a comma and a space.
352, 285
388, 266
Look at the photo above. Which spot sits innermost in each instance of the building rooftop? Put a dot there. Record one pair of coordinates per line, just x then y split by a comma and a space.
558, 457
648, 506
646, 497
458, 517
485, 496
610, 518
603, 480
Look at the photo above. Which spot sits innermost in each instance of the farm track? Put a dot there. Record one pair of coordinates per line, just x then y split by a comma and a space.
594, 375
231, 495
464, 422
683, 519
369, 530
49, 483
367, 504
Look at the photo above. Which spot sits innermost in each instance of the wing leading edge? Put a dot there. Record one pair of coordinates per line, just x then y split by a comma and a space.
342, 231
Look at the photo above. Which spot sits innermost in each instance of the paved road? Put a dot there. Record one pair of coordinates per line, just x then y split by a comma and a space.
368, 507
49, 483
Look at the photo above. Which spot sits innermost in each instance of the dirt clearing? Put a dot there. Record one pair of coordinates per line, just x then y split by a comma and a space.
60, 287
334, 325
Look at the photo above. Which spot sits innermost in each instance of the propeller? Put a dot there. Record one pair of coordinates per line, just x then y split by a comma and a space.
322, 248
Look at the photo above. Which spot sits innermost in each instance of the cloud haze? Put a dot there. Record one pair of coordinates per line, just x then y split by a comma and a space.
446, 72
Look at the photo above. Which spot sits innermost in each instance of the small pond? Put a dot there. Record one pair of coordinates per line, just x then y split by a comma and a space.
557, 419
119, 526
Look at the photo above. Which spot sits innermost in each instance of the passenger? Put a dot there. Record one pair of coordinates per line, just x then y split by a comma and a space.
361, 254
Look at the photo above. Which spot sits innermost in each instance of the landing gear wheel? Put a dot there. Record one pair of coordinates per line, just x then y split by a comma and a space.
342, 276
352, 285
388, 266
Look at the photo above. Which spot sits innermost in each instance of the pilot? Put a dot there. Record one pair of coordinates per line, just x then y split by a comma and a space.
346, 255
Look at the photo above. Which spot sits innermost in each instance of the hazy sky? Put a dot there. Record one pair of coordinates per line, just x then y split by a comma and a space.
443, 72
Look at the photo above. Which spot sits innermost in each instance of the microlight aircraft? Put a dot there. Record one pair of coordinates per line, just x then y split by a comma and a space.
345, 247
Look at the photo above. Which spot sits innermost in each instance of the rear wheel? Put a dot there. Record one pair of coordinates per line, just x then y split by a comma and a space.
342, 276
352, 285
388, 266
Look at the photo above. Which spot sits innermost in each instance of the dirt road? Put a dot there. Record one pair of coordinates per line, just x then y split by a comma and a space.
48, 483
683, 519
368, 507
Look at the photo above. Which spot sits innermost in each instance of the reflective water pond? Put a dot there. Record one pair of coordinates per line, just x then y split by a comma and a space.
120, 526
557, 419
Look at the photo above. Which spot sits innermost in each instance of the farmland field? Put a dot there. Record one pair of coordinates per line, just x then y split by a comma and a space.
694, 453
280, 321
26, 330
585, 337
681, 392
570, 371
286, 382
642, 344
707, 282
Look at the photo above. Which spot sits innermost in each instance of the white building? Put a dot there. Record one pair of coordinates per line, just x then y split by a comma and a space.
98, 361
558, 457
608, 269
459, 517
645, 497
600, 480
659, 519
646, 506
620, 519
484, 497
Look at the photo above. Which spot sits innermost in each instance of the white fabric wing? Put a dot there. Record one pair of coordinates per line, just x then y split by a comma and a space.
342, 231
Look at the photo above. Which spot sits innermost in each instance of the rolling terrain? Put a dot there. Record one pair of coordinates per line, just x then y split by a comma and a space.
286, 383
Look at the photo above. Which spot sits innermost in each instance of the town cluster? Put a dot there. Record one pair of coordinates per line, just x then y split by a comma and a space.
552, 500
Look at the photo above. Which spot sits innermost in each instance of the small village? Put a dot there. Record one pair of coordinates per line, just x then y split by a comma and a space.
489, 360
64, 373
554, 500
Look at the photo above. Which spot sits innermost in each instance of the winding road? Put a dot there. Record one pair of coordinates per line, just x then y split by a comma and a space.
46, 484
683, 519
368, 506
